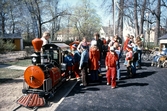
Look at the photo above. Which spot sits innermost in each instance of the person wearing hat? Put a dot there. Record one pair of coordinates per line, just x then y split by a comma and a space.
128, 58
68, 59
111, 67
83, 66
94, 56
76, 59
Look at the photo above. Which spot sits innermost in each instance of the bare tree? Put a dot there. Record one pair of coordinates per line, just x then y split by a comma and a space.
121, 15
143, 8
3, 14
120, 18
136, 18
157, 14
36, 9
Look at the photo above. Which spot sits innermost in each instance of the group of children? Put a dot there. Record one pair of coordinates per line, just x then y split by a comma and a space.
132, 49
86, 57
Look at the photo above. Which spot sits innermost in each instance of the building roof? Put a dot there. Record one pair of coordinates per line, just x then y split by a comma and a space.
107, 30
11, 36
163, 37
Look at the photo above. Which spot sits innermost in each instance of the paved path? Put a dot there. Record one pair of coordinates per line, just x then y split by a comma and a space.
146, 92
12, 67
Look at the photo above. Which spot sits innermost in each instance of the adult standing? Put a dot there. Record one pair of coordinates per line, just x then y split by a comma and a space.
83, 66
99, 46
99, 42
94, 56
45, 38
105, 48
118, 39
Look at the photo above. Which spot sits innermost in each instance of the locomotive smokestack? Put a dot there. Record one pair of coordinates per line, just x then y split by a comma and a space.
36, 57
37, 44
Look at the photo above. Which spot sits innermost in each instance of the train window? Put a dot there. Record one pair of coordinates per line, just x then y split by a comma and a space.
55, 56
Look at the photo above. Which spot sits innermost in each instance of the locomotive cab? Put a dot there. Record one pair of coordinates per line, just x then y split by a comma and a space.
55, 54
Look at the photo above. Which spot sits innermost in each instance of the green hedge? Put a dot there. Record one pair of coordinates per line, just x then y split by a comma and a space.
6, 46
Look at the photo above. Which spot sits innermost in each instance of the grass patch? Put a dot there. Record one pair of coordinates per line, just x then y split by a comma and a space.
7, 74
24, 62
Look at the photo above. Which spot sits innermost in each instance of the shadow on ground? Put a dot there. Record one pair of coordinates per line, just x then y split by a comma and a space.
10, 80
132, 84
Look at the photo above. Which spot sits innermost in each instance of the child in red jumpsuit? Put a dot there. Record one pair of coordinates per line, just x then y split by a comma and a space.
111, 67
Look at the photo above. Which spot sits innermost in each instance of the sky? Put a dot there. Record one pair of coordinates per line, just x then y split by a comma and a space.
96, 3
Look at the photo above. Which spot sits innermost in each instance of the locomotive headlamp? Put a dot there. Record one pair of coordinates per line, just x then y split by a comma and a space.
34, 60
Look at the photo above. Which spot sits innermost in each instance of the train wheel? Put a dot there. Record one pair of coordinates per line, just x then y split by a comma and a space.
165, 64
158, 66
152, 64
41, 94
24, 91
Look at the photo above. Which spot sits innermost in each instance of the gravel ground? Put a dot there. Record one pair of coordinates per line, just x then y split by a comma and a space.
11, 90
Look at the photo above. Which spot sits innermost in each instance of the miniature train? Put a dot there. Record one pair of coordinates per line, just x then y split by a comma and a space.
45, 75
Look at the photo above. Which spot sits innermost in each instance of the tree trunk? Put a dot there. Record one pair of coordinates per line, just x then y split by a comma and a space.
121, 20
157, 30
135, 18
3, 23
39, 20
142, 17
113, 9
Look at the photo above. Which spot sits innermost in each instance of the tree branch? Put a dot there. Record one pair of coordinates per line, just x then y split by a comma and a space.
60, 14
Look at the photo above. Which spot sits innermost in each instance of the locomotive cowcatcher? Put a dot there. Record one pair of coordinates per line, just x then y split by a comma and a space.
45, 75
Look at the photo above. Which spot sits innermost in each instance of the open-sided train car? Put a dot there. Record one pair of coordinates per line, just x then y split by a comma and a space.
45, 75
160, 60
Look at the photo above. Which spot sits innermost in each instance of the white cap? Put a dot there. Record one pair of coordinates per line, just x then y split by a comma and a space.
112, 48
130, 46
93, 42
